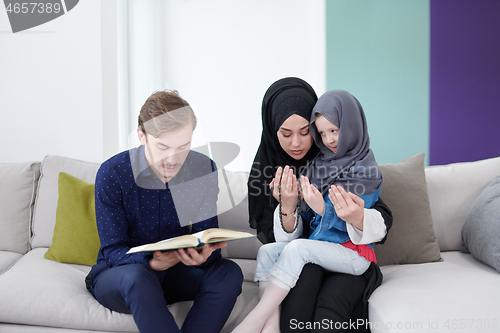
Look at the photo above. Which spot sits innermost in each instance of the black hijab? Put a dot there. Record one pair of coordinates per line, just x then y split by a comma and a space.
353, 166
284, 98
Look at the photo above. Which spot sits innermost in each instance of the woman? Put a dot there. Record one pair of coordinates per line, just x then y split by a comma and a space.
324, 297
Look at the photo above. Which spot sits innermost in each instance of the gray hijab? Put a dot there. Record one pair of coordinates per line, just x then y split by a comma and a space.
353, 166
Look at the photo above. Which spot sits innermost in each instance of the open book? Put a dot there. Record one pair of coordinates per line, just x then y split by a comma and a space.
197, 240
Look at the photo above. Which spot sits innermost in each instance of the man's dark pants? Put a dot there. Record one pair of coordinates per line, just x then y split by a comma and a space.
145, 293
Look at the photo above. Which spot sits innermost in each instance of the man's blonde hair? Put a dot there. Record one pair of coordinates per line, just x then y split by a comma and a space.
165, 111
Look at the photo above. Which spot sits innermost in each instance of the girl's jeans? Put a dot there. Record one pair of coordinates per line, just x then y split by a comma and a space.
285, 260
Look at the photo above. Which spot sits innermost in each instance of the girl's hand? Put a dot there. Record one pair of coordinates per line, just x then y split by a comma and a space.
289, 189
312, 196
348, 206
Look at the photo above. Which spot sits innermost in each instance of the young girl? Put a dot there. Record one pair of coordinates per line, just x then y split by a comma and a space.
345, 160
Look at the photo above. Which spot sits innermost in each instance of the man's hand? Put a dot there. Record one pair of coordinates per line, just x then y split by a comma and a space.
312, 196
163, 260
191, 257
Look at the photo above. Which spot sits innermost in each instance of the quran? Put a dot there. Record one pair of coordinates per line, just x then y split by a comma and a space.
196, 240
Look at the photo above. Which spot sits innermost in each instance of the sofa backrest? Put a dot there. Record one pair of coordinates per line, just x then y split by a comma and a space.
44, 216
232, 209
232, 206
18, 183
452, 189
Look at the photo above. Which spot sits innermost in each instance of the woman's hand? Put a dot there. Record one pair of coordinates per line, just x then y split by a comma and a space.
289, 189
348, 206
312, 196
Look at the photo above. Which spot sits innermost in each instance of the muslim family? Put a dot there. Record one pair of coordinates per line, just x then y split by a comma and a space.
313, 196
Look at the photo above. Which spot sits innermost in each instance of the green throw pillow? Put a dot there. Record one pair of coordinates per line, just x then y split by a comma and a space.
75, 239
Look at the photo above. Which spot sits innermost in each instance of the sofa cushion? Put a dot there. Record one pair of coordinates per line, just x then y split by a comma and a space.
37, 291
44, 218
7, 259
18, 183
456, 295
481, 230
16, 328
411, 239
75, 240
453, 188
41, 292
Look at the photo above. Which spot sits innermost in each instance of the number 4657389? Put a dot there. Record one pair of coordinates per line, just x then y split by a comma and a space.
33, 7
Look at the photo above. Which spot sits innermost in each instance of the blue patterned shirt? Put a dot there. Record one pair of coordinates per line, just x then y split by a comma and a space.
134, 207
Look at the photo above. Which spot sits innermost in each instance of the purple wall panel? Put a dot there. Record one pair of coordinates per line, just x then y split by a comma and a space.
465, 80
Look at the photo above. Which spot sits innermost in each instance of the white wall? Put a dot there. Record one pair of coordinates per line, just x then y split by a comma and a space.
50, 87
222, 55
64, 91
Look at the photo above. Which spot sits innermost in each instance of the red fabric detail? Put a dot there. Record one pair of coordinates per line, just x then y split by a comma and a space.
363, 250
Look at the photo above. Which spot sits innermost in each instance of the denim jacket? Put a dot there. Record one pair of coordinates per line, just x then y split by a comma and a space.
330, 227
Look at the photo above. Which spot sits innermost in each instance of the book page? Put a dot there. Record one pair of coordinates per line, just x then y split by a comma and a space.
168, 244
215, 235
197, 240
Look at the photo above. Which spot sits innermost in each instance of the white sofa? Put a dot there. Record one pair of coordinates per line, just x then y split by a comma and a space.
41, 295
459, 293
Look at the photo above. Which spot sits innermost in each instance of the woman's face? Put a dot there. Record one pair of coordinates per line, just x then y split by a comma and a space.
294, 136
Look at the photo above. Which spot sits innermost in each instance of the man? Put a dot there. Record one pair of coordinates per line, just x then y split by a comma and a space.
160, 190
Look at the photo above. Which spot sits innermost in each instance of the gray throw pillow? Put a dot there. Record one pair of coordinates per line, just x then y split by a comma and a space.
481, 230
18, 182
411, 240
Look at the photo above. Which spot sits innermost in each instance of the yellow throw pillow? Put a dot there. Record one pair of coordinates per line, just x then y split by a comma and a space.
75, 239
